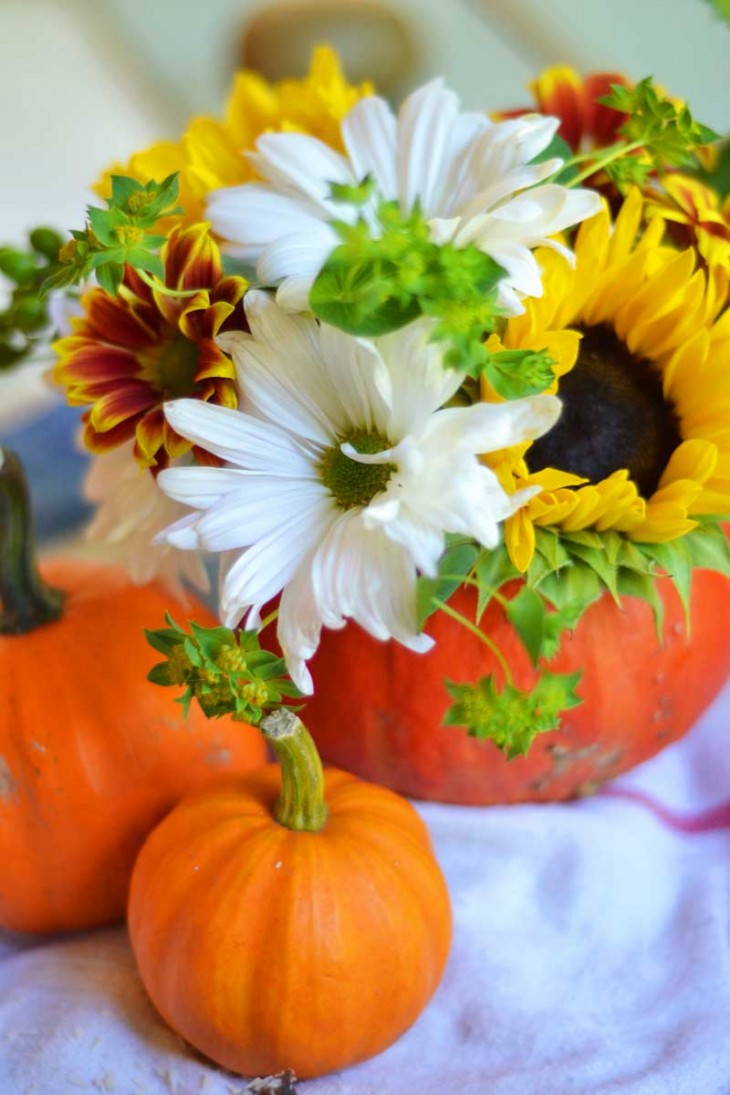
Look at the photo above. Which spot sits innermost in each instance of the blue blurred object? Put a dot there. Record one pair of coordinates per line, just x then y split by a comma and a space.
55, 470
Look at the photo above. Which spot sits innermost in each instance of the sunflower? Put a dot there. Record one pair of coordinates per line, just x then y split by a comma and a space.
210, 154
643, 370
129, 354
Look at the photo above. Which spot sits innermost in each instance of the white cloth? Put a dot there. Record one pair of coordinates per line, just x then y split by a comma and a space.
591, 955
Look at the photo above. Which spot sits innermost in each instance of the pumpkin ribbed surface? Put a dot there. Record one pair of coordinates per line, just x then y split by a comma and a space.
92, 755
270, 949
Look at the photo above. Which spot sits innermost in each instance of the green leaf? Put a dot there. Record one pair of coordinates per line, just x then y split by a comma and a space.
164, 639
549, 545
354, 297
454, 565
110, 276
577, 584
526, 611
211, 640
359, 194
515, 374
633, 584
673, 557
721, 8
160, 674
595, 558
492, 570
708, 548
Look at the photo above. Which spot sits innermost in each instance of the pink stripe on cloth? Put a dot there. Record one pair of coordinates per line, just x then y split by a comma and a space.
708, 821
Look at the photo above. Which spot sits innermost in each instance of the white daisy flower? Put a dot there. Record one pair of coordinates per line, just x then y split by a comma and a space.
343, 476
473, 177
131, 511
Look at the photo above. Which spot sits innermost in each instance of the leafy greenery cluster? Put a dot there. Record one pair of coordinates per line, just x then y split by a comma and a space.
119, 235
665, 133
226, 671
387, 272
568, 573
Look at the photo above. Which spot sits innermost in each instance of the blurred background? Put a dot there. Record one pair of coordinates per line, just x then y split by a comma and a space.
86, 82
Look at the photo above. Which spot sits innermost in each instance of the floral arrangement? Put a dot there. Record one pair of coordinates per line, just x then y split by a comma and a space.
367, 357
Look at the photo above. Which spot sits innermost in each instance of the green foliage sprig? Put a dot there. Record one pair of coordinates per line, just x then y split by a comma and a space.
119, 235
666, 134
226, 671
568, 573
387, 272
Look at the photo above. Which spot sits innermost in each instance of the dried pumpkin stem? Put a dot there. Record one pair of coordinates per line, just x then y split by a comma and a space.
26, 601
301, 805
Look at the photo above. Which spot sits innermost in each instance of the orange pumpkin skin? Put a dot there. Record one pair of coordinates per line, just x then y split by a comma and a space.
269, 949
92, 755
377, 707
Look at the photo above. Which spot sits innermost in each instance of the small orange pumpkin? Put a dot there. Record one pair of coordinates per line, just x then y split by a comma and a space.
92, 755
270, 938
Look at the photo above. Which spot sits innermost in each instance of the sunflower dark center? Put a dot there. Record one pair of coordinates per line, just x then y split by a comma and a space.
351, 483
615, 415
172, 365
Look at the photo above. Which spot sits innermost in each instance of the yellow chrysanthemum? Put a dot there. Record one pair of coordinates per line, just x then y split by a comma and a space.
210, 153
643, 369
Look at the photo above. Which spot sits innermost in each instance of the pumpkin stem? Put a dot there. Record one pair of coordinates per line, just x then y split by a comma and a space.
301, 805
26, 601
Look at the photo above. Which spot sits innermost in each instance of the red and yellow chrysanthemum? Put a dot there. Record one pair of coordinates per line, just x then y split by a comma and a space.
584, 123
643, 368
697, 216
210, 153
131, 353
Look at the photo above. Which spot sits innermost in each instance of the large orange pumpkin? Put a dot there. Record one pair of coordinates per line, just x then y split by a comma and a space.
377, 708
270, 948
92, 755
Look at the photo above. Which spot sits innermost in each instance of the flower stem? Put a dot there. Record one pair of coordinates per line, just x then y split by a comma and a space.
614, 153
465, 622
27, 602
165, 290
301, 805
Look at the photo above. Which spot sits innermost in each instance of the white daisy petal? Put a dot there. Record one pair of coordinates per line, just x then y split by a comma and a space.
304, 166
265, 568
219, 430
131, 513
297, 255
488, 427
251, 216
425, 122
369, 133
475, 180
268, 505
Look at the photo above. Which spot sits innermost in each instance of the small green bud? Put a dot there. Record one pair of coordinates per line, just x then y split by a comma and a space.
17, 265
29, 313
47, 242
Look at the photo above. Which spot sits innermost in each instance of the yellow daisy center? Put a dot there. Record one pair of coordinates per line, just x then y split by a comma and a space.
614, 416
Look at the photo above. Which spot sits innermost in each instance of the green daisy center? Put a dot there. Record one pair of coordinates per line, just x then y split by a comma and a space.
171, 366
614, 416
351, 483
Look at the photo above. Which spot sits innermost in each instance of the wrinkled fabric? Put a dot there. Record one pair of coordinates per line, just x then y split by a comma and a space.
591, 955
